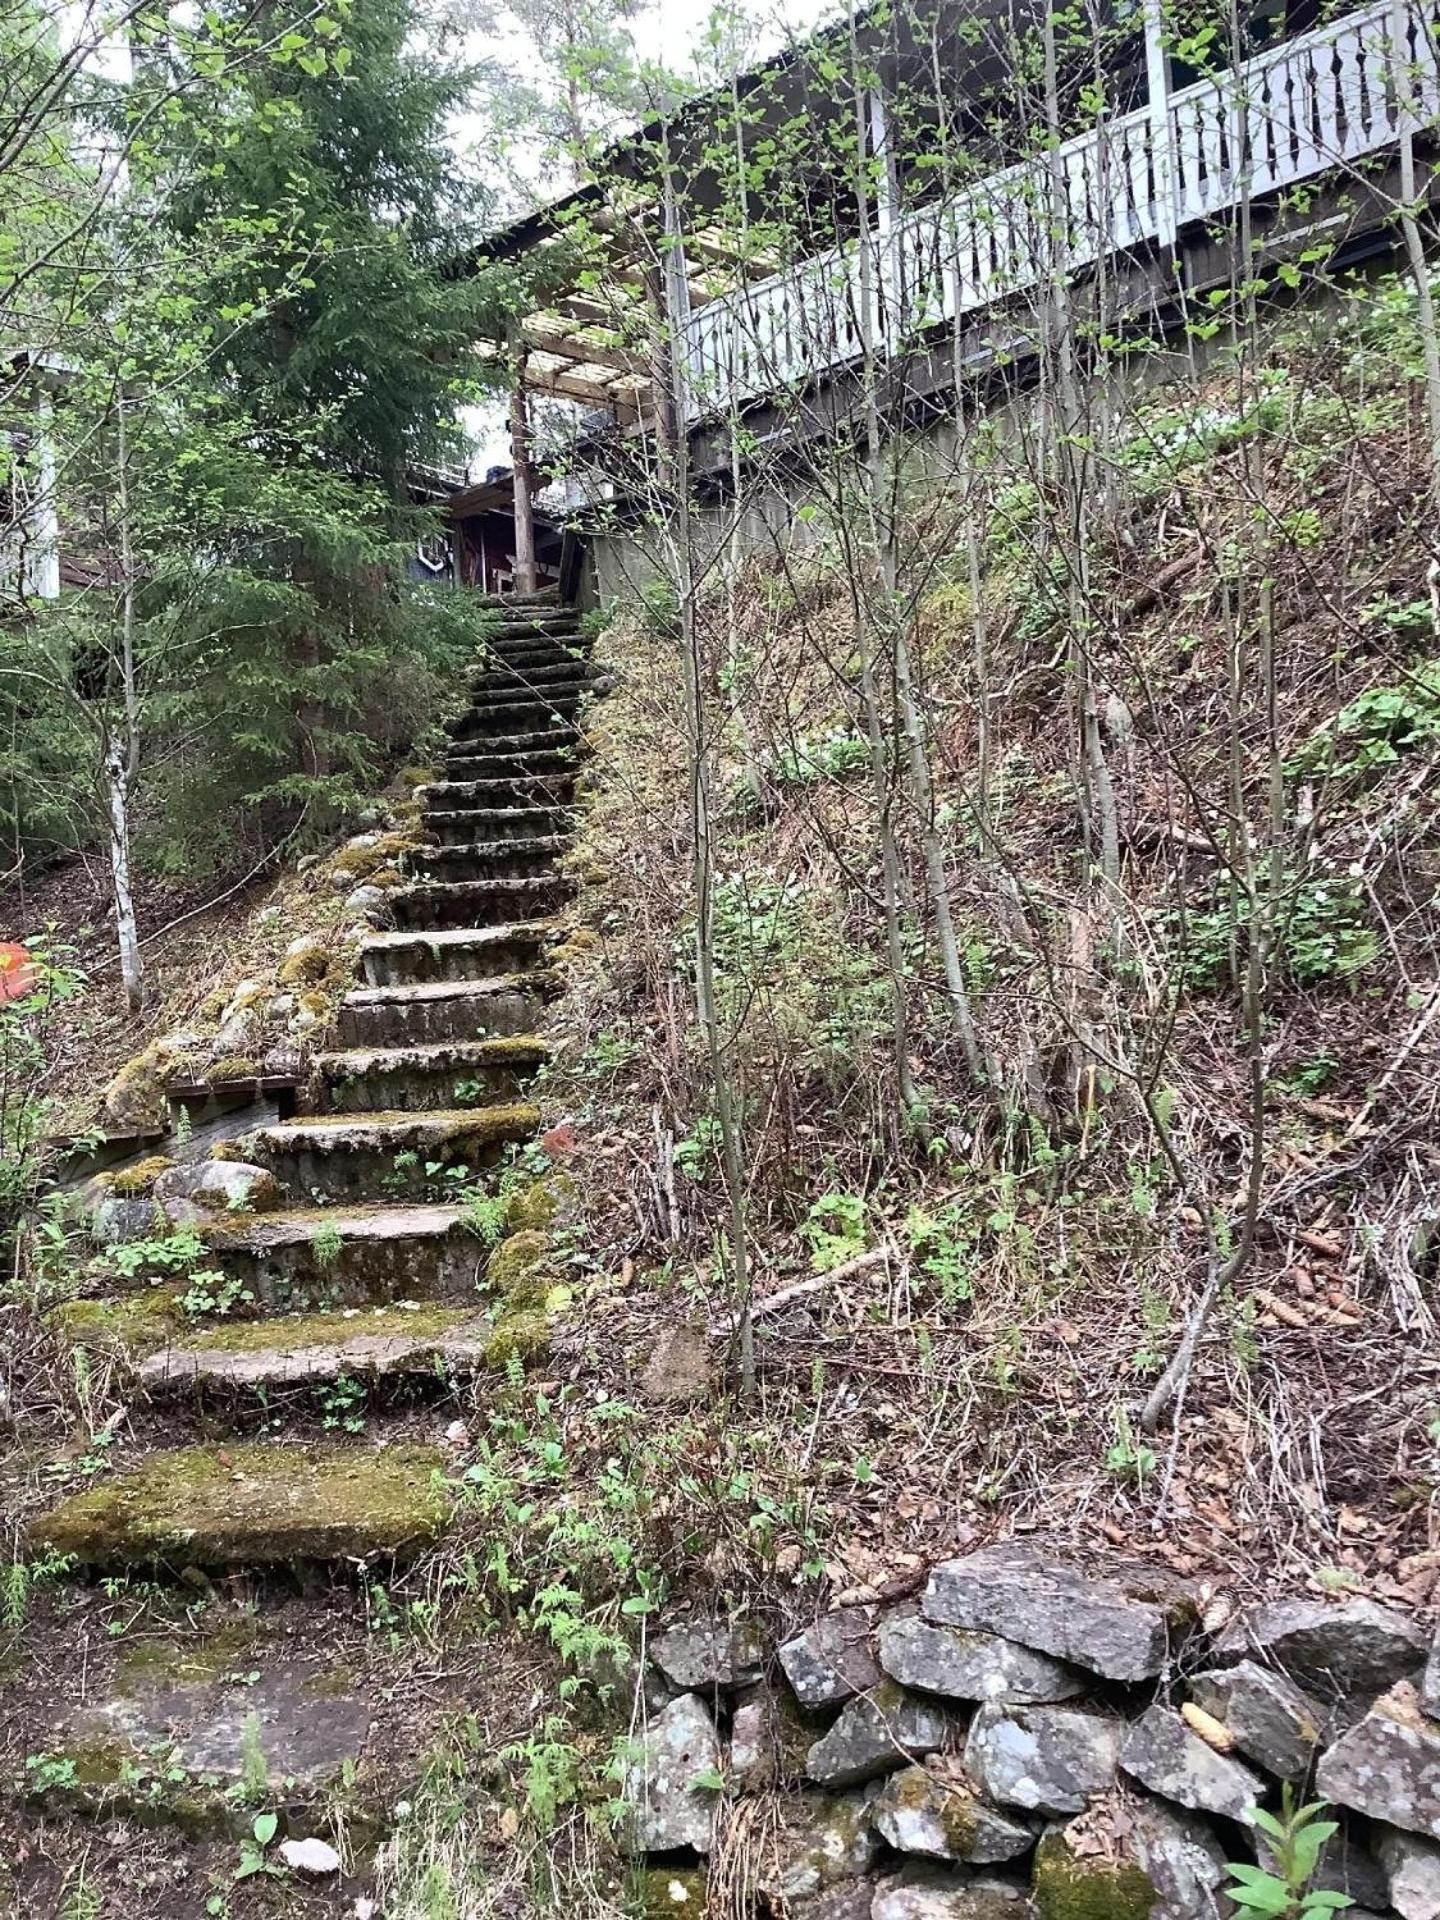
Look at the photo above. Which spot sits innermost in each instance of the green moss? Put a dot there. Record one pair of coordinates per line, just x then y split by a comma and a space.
253, 1504
146, 1665
663, 1892
135, 1097
305, 969
232, 1066
387, 879
512, 1265
530, 1209
129, 1182
1067, 1888
291, 1333
522, 1336
137, 1324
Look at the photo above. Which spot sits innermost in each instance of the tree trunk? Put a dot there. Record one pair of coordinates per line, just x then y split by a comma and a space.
526, 578
117, 794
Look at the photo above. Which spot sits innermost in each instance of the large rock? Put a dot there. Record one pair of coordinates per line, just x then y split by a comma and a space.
941, 1893
1119, 1625
1389, 1765
1044, 1759
972, 1666
851, 1900
187, 1193
1273, 1722
823, 1841
1130, 1859
709, 1653
831, 1661
1163, 1754
875, 1733
1358, 1647
670, 1784
769, 1740
936, 1812
1412, 1868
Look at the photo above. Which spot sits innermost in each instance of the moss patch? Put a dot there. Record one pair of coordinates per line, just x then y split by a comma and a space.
291, 1333
532, 1208
130, 1182
512, 1267
138, 1324
660, 1892
254, 1504
522, 1336
1067, 1888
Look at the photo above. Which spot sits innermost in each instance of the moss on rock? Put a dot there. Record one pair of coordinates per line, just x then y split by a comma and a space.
136, 1097
232, 1066
521, 1336
532, 1208
1067, 1887
512, 1267
131, 1182
253, 1504
137, 1324
663, 1892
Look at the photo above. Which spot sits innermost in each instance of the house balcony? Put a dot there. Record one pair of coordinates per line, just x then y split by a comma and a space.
1323, 103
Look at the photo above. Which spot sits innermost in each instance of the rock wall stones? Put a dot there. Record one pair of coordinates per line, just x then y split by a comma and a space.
1034, 1741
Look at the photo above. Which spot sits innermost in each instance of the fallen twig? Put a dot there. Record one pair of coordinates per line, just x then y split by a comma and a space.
863, 1263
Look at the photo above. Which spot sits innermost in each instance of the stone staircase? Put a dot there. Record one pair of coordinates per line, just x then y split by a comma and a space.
367, 1271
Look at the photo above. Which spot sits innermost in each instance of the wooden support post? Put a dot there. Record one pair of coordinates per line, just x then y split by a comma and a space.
526, 579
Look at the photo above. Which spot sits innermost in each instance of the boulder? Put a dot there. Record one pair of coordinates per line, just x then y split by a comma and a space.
1412, 1870
972, 1666
1045, 1759
941, 1893
670, 1784
831, 1661
1357, 1647
707, 1653
824, 1840
1389, 1764
1118, 1625
371, 903
1130, 1859
935, 1811
189, 1192
1163, 1754
851, 1900
875, 1733
1274, 1722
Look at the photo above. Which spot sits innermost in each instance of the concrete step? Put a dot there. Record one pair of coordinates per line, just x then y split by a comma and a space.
519, 712
496, 859
463, 766
348, 1255
454, 954
463, 826
252, 1504
505, 792
440, 1076
424, 1341
328, 1157
479, 903
442, 1010
509, 675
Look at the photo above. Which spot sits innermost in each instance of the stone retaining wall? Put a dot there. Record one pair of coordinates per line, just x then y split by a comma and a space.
1026, 1741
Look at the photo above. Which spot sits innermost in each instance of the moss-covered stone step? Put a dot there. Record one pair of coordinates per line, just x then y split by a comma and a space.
533, 650
454, 953
515, 713
514, 858
493, 824
439, 1076
439, 1010
504, 792
253, 1503
566, 670
465, 766
480, 903
312, 1257
385, 1152
308, 1349
182, 1722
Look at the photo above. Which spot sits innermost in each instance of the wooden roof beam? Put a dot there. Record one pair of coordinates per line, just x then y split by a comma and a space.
565, 346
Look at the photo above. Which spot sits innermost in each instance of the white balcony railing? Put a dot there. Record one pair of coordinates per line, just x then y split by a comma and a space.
1296, 111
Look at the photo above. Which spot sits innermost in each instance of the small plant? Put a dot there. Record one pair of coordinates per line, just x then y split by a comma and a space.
342, 1404
49, 1772
327, 1245
1282, 1890
213, 1292
254, 1781
252, 1849
483, 1214
1129, 1458
836, 1230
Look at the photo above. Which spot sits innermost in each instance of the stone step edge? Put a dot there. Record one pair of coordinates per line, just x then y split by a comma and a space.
519, 1050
